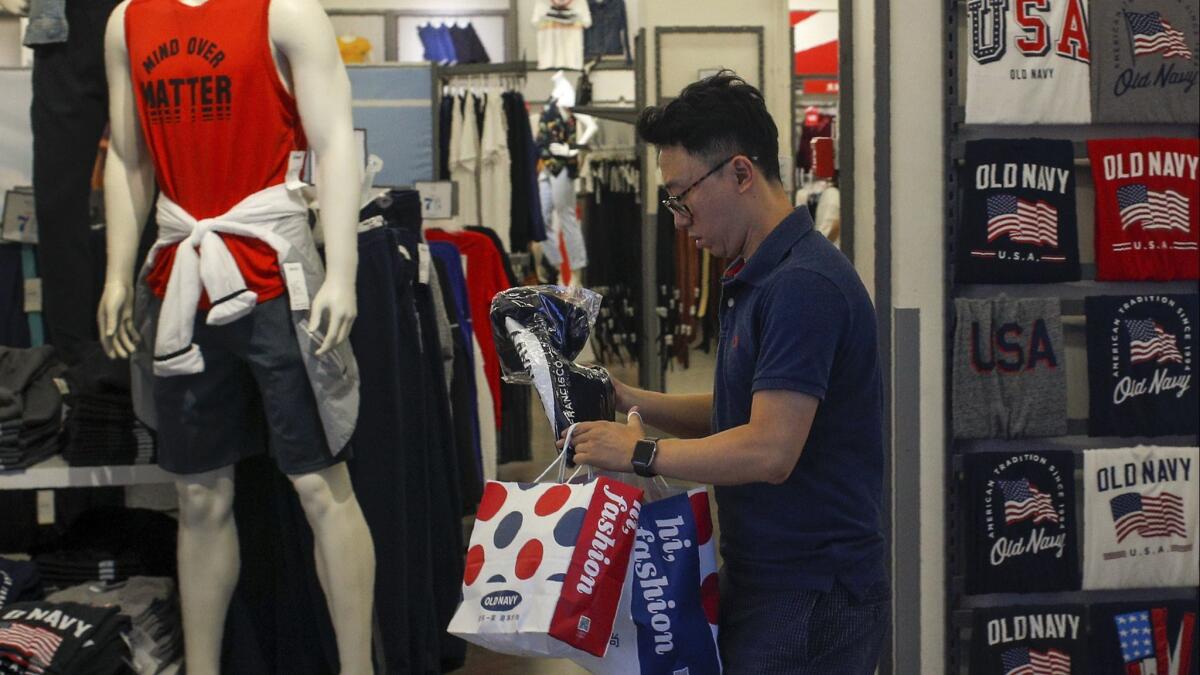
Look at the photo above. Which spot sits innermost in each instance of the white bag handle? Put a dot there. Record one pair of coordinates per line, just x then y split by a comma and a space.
561, 461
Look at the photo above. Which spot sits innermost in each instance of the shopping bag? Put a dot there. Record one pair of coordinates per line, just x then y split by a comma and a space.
546, 566
667, 619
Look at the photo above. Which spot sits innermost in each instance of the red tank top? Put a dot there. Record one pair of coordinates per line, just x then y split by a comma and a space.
218, 122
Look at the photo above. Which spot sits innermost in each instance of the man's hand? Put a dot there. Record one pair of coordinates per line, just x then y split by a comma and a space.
606, 445
115, 321
18, 7
333, 312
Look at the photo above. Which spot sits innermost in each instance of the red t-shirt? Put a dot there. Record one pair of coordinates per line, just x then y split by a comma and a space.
1147, 215
485, 278
218, 122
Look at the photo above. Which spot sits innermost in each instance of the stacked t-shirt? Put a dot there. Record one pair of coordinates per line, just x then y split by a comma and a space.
30, 406
560, 25
1033, 639
1009, 368
47, 637
1143, 637
1018, 221
1022, 515
109, 544
155, 634
1145, 61
1028, 65
1141, 358
1147, 215
19, 582
1141, 507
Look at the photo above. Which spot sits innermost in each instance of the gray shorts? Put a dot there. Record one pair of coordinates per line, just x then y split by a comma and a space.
253, 395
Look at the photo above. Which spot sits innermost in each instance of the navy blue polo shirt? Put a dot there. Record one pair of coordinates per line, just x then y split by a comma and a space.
796, 316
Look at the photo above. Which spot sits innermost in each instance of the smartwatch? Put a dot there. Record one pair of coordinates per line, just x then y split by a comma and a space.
644, 453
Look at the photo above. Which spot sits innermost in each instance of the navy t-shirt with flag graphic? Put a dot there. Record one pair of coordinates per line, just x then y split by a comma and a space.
1029, 639
1138, 638
1018, 222
1141, 362
1021, 508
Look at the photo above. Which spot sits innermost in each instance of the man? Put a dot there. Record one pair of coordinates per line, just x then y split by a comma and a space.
792, 434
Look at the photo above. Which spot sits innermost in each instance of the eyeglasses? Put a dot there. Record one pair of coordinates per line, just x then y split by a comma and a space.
675, 202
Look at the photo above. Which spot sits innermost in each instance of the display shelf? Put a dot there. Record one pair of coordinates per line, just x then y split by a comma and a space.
1071, 291
626, 114
54, 473
1073, 442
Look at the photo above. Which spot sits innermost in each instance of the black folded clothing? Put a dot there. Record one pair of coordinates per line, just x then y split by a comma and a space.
46, 637
111, 544
19, 582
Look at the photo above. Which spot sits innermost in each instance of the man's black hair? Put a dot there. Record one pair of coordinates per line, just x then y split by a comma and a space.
714, 118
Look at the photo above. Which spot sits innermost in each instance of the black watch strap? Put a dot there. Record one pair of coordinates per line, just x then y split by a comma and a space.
644, 453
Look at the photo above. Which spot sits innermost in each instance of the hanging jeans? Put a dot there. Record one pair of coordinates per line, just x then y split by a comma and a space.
558, 208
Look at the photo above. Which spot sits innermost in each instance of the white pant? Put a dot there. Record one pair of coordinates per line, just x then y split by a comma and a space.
558, 208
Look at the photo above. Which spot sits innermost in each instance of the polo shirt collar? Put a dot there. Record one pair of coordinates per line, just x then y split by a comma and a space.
773, 249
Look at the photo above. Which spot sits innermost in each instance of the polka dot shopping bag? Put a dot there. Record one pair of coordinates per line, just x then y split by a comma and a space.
546, 566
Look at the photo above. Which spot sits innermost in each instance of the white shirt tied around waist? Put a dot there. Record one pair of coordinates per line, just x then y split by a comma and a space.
261, 215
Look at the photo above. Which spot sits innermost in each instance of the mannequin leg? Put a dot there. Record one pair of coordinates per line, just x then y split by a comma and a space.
553, 225
565, 201
209, 562
345, 560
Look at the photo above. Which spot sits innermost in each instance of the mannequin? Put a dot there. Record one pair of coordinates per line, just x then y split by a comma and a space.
558, 131
303, 77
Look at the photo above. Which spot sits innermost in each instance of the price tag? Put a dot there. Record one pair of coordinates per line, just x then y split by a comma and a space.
437, 199
45, 507
33, 295
297, 285
20, 220
423, 263
296, 164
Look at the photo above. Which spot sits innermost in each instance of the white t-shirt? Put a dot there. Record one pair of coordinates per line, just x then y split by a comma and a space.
560, 25
1140, 517
464, 161
495, 170
828, 220
1026, 66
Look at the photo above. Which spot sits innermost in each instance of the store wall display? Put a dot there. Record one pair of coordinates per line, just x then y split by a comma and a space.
1140, 517
1032, 639
609, 33
1147, 215
1143, 638
1022, 520
560, 25
1145, 61
1028, 64
1018, 223
1140, 364
1009, 368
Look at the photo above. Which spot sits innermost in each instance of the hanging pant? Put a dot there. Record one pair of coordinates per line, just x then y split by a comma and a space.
68, 116
558, 208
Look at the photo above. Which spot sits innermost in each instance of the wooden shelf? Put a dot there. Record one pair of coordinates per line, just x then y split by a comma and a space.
55, 473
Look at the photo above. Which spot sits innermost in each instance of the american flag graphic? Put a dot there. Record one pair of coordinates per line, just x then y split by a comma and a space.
1148, 516
1153, 35
1023, 501
38, 644
1024, 222
1146, 645
1026, 661
1149, 342
1166, 210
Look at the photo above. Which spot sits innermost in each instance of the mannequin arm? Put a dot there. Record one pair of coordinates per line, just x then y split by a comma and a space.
587, 128
128, 191
302, 33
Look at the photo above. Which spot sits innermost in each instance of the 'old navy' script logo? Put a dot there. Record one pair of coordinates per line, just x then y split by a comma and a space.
1169, 77
1036, 542
54, 618
1033, 627
651, 584
602, 541
1173, 379
1162, 382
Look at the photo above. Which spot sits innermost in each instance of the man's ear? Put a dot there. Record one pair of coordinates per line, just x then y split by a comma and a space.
743, 171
